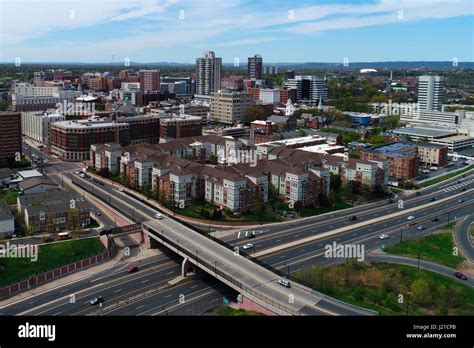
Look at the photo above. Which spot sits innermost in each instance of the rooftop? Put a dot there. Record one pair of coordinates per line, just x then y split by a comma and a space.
424, 132
5, 212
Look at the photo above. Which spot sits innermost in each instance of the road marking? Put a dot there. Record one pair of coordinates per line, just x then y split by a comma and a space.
117, 291
170, 272
145, 281
64, 290
194, 286
56, 314
279, 240
140, 307
167, 296
282, 256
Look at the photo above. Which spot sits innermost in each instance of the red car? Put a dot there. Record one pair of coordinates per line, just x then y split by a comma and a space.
133, 269
459, 275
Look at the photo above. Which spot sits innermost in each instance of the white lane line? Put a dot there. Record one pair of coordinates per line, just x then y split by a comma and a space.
278, 240
168, 296
56, 314
140, 306
64, 290
194, 286
145, 281
117, 291
170, 272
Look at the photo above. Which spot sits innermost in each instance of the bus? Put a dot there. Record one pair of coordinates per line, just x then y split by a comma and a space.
64, 235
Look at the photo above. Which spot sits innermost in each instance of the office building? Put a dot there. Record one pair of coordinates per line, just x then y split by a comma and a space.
309, 89
208, 73
255, 67
269, 96
180, 126
230, 107
37, 125
430, 92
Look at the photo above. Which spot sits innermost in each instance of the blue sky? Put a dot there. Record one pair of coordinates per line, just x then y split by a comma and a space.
281, 31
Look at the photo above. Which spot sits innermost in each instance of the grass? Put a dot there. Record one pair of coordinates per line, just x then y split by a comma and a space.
9, 196
50, 256
378, 286
436, 248
228, 311
305, 212
445, 177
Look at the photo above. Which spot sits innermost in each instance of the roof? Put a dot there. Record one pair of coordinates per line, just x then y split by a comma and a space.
54, 208
26, 174
5, 173
29, 183
5, 212
49, 196
424, 132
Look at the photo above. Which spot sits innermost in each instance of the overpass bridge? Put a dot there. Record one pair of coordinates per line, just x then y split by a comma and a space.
257, 285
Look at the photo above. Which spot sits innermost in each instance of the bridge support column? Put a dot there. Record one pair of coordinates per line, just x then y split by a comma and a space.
186, 267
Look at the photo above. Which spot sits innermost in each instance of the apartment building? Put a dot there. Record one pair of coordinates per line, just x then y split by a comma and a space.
37, 125
180, 126
106, 157
10, 139
51, 217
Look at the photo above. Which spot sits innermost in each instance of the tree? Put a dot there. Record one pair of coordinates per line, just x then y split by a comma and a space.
253, 113
298, 206
421, 291
336, 182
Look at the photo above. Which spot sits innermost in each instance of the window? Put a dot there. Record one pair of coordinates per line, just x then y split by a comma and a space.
42, 216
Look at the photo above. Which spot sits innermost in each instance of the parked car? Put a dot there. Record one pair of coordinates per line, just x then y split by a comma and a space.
459, 275
411, 217
284, 283
384, 236
101, 183
98, 213
158, 216
248, 246
133, 269
96, 300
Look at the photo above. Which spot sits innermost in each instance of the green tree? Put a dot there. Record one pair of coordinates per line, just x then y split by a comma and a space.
336, 182
253, 113
421, 291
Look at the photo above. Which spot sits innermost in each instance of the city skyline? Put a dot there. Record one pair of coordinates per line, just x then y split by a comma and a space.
179, 31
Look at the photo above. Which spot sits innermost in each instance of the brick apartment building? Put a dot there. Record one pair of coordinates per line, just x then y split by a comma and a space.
180, 126
10, 139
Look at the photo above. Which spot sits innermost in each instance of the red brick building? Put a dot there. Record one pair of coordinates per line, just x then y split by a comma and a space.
10, 139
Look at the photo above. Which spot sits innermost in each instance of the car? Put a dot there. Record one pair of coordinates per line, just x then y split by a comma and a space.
88, 176
248, 246
417, 193
48, 240
463, 189
77, 173
284, 283
353, 218
98, 213
96, 300
421, 228
432, 199
434, 219
411, 217
82, 199
120, 189
384, 236
459, 275
158, 216
463, 176
458, 182
461, 201
82, 175
101, 183
250, 235
133, 269
391, 200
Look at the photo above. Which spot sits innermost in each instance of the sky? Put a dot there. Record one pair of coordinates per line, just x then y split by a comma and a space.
293, 31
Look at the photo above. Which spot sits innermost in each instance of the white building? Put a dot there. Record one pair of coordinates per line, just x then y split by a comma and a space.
430, 92
208, 73
36, 125
308, 88
7, 220
269, 96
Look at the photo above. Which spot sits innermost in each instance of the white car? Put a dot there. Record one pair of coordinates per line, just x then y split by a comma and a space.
411, 217
159, 216
384, 236
285, 283
248, 246
421, 228
120, 189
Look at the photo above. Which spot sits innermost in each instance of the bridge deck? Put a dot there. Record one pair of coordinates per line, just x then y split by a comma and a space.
243, 274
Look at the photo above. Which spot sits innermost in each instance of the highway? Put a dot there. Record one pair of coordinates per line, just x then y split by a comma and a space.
462, 234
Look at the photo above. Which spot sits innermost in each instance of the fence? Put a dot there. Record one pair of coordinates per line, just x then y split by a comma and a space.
50, 275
